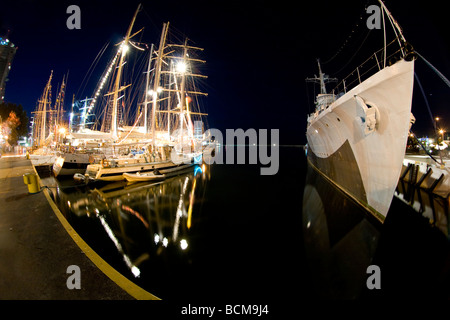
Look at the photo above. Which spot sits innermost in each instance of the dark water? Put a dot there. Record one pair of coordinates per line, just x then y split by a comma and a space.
226, 233
342, 239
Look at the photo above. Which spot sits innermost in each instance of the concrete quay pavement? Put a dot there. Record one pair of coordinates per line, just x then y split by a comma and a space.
36, 249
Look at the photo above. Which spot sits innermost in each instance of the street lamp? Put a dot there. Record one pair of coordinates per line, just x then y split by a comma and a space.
442, 134
442, 140
436, 123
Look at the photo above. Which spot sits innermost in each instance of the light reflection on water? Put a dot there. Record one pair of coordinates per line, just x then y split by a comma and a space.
340, 240
225, 231
130, 225
221, 231
157, 234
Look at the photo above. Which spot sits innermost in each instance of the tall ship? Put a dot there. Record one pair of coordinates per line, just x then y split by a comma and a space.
357, 135
167, 130
47, 125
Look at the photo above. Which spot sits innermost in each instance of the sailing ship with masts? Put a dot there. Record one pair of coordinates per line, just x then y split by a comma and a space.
47, 127
164, 134
66, 163
357, 137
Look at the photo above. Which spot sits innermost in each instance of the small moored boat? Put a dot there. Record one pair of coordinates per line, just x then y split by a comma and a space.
157, 175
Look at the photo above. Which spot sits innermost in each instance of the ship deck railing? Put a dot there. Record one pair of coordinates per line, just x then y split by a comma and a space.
376, 62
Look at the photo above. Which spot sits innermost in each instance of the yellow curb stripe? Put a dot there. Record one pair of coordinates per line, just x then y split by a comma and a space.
127, 285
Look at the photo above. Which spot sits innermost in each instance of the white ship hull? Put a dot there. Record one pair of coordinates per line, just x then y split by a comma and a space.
115, 172
359, 140
113, 169
70, 163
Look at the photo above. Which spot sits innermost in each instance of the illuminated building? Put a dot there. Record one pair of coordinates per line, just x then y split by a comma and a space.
7, 52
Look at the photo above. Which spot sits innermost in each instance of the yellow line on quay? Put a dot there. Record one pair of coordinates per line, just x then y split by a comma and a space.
127, 285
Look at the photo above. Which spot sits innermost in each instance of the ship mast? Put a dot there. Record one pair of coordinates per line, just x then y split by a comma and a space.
322, 79
117, 88
323, 90
146, 93
59, 105
395, 27
41, 113
174, 63
71, 114
156, 88
45, 101
182, 69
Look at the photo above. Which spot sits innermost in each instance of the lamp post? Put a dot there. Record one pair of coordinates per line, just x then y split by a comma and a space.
437, 140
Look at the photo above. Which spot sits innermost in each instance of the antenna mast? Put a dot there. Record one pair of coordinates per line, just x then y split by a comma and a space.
322, 79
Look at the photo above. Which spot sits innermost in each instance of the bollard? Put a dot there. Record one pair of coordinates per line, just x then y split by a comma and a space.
30, 179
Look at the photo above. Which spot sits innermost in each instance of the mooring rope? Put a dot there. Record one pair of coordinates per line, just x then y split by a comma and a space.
443, 78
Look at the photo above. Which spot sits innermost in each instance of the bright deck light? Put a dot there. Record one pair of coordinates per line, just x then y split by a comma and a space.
124, 48
181, 67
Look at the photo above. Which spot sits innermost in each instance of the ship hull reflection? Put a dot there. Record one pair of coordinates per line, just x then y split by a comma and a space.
340, 239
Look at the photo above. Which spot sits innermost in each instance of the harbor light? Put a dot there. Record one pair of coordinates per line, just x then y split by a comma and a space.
183, 244
181, 67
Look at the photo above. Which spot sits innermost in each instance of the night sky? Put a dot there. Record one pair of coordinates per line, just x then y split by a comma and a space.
258, 53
